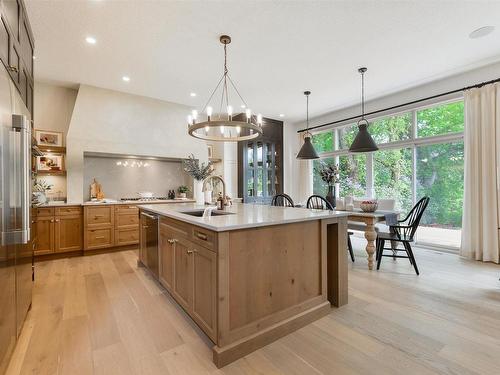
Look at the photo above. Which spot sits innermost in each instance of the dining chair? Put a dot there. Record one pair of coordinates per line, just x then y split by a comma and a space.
403, 233
282, 200
318, 202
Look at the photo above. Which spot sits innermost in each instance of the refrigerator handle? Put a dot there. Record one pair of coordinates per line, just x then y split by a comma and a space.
21, 124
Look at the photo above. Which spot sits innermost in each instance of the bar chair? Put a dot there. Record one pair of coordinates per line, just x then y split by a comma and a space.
318, 202
403, 233
282, 200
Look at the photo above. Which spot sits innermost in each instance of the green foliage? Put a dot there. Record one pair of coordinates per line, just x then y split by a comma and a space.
182, 189
323, 142
196, 170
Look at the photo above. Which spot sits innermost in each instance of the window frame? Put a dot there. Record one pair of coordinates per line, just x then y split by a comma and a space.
412, 143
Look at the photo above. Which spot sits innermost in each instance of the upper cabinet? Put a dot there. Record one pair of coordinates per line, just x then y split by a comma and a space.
17, 48
260, 164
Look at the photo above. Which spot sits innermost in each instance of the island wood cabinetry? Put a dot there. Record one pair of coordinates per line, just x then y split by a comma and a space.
57, 229
246, 287
188, 270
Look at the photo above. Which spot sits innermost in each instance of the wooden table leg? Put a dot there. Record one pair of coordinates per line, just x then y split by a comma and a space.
370, 236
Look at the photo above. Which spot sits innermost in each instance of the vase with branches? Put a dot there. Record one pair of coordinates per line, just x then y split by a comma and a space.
199, 172
329, 173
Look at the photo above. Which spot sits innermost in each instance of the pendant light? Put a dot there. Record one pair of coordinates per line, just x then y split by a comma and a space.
223, 126
363, 141
307, 150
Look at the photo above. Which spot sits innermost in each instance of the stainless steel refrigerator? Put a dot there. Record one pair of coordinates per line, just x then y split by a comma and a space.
16, 249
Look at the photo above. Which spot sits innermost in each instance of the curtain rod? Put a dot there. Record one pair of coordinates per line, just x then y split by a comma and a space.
402, 105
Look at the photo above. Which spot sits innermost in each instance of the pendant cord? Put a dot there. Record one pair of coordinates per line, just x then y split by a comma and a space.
362, 95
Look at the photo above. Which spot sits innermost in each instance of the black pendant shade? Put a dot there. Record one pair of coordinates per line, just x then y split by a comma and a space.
363, 141
307, 150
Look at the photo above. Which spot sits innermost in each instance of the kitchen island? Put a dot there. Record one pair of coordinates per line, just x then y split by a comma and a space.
250, 274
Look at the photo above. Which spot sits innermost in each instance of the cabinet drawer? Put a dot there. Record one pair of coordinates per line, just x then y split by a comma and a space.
127, 220
99, 238
204, 237
99, 216
126, 236
45, 211
178, 228
124, 209
63, 211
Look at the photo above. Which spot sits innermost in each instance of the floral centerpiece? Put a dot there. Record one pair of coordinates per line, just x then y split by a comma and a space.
199, 171
329, 173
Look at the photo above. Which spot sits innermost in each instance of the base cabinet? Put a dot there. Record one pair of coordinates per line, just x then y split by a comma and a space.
58, 230
45, 227
189, 272
68, 233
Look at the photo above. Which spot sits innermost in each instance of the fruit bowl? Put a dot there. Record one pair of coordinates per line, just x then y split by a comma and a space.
368, 206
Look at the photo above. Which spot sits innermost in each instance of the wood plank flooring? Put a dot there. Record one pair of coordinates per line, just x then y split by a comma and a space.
102, 314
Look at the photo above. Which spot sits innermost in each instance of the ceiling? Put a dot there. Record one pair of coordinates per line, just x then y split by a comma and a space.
279, 49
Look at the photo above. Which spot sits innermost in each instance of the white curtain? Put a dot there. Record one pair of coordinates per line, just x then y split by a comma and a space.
305, 170
480, 221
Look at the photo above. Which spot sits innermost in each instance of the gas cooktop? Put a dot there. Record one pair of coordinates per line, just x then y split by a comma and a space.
136, 199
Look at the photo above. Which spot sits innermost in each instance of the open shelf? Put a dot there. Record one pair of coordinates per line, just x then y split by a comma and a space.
53, 149
51, 173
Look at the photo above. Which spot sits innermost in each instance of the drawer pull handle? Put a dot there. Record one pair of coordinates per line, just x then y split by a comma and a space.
201, 236
99, 237
190, 251
51, 220
97, 216
13, 68
172, 241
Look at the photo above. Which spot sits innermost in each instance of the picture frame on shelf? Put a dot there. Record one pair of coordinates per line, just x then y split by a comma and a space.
49, 138
50, 163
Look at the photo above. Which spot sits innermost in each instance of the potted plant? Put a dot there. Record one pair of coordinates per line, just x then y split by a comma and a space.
199, 172
182, 190
329, 174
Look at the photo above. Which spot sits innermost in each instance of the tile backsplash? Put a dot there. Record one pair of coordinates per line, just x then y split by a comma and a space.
123, 177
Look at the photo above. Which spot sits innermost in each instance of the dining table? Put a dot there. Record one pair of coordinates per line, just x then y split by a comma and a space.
369, 219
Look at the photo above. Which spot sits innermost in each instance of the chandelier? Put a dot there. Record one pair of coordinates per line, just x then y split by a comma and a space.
223, 126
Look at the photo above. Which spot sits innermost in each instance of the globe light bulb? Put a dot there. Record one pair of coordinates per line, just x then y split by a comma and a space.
209, 112
249, 114
195, 114
222, 130
190, 120
238, 129
259, 119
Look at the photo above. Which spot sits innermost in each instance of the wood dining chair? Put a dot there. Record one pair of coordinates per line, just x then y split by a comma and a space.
282, 200
318, 202
403, 233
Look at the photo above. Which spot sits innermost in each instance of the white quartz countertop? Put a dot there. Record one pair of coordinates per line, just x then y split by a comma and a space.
163, 201
241, 215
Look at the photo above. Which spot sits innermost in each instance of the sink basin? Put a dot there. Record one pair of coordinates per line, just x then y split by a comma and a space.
199, 213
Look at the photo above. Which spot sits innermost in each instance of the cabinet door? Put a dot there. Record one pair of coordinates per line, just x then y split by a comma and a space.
205, 290
68, 233
166, 246
183, 286
45, 235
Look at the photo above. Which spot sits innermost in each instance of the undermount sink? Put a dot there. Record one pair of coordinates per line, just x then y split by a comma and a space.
199, 213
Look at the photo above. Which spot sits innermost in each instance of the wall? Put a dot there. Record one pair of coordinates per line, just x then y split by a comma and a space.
119, 181
53, 110
118, 123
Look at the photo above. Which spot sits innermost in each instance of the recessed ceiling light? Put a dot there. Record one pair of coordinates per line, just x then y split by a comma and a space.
90, 40
482, 31
282, 115
126, 78
193, 94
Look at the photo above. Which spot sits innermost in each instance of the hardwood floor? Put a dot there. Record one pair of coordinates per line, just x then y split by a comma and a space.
101, 314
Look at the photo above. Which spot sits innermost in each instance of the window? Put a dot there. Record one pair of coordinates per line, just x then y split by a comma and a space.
421, 153
442, 119
323, 142
393, 176
391, 129
320, 187
440, 175
346, 136
352, 173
